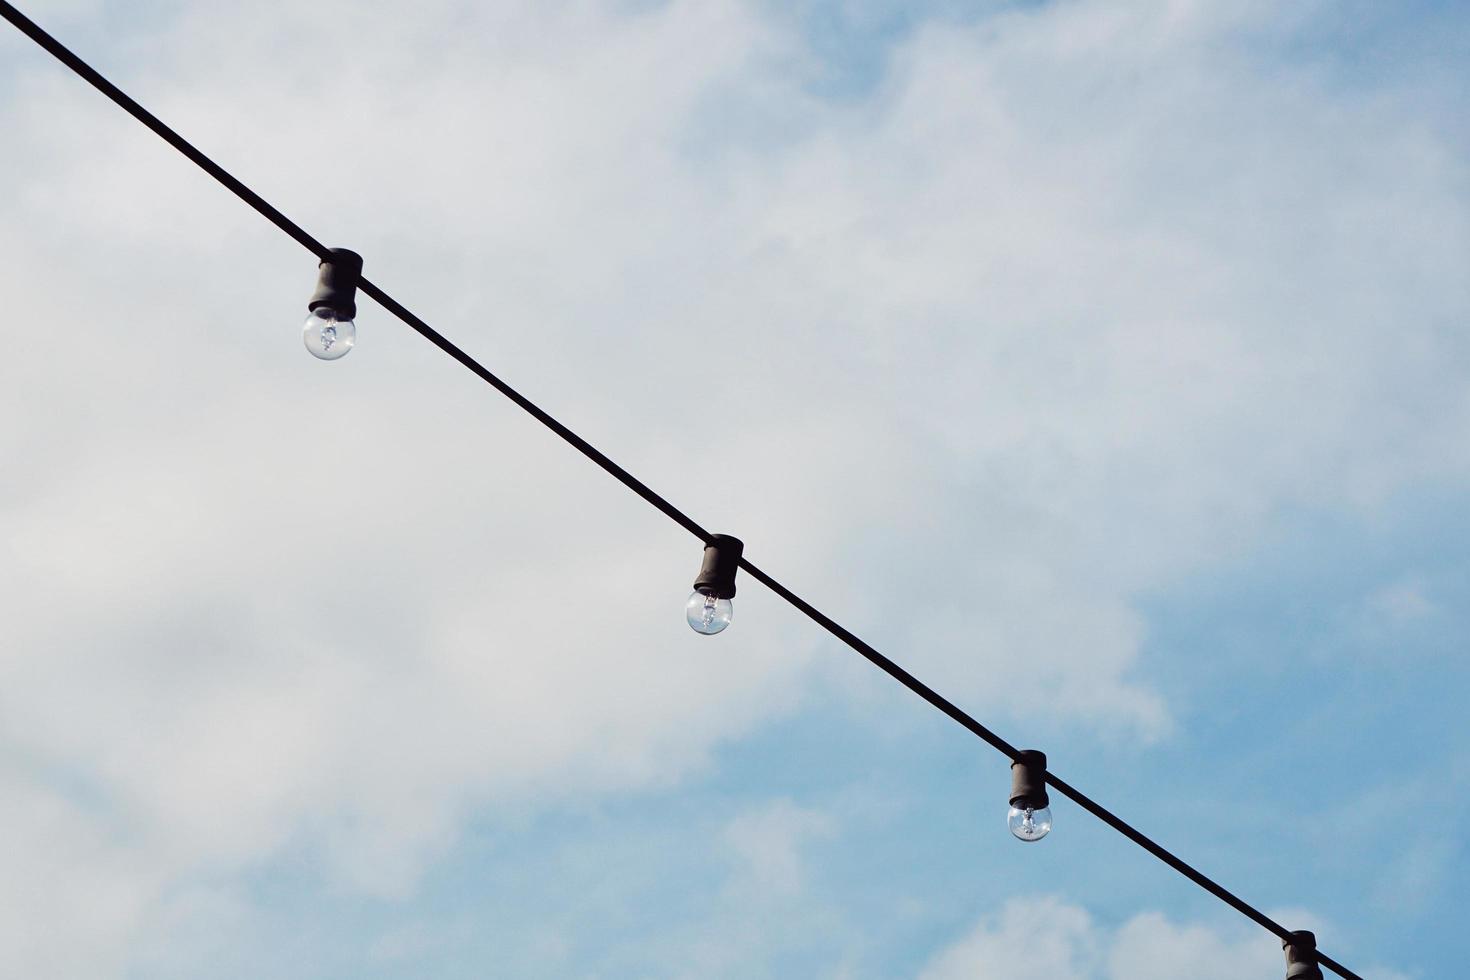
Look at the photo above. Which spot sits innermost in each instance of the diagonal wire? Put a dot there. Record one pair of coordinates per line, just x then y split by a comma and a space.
934, 698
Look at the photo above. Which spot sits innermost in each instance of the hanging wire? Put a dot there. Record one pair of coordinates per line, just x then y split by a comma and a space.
259, 204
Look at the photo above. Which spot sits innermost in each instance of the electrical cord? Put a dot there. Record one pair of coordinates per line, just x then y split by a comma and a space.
259, 204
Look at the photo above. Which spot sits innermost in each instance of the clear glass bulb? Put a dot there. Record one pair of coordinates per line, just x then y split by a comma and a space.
1028, 824
327, 335
708, 614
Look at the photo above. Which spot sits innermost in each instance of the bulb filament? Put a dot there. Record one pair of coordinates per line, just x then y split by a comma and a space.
329, 337
709, 610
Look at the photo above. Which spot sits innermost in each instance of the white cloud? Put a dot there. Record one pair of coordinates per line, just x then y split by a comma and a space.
72, 896
1150, 947
1033, 940
1072, 306
1400, 602
1406, 615
1046, 938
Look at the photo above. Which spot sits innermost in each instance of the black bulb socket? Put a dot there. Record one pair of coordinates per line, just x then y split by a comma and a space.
1301, 956
721, 562
1028, 786
336, 283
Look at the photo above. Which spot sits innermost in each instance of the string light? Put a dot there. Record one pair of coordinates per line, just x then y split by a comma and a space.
1298, 944
709, 609
329, 331
1030, 814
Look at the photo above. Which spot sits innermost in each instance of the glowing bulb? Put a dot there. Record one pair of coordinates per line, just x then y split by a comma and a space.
327, 335
707, 613
1028, 824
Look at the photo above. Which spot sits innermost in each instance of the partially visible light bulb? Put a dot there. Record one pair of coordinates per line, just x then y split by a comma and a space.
1028, 824
327, 335
707, 613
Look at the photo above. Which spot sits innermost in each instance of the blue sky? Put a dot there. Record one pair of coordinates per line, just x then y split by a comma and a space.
1102, 362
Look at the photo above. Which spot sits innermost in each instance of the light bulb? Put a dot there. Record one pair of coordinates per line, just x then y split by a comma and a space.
1028, 824
327, 335
707, 613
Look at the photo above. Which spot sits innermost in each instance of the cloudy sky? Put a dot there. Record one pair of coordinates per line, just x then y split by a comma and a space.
1102, 361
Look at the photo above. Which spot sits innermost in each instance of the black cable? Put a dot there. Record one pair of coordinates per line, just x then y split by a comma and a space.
535, 411
76, 64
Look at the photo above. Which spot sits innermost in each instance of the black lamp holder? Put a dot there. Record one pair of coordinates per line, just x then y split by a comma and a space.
1301, 956
717, 571
1028, 788
336, 285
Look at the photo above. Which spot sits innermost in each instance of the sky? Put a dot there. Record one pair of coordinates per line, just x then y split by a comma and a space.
1101, 361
